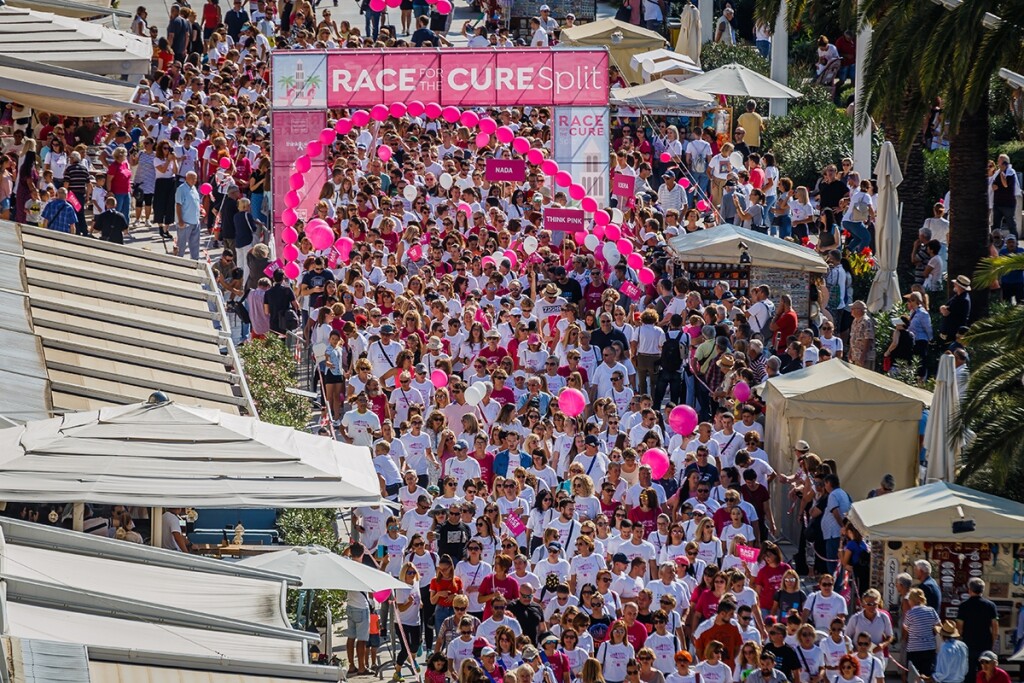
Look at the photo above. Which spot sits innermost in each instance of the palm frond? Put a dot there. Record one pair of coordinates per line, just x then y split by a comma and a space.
990, 270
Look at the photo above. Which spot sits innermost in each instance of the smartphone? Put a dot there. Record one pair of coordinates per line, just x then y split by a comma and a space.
380, 550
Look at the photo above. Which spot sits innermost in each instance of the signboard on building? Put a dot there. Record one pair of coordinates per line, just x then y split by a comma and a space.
580, 137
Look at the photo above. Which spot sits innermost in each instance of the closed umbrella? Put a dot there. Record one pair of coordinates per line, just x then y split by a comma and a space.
942, 450
688, 42
885, 289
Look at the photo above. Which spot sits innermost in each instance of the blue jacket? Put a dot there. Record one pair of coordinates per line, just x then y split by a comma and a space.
502, 458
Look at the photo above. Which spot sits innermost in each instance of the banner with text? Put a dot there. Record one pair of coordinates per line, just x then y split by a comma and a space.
564, 220
500, 170
580, 138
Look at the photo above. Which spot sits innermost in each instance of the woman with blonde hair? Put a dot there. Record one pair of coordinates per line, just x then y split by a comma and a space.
709, 546
591, 671
588, 506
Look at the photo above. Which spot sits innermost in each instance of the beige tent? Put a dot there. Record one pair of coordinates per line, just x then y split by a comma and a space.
867, 422
662, 97
721, 244
622, 40
927, 513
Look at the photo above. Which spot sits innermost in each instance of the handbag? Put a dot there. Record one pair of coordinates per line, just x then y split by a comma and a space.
624, 13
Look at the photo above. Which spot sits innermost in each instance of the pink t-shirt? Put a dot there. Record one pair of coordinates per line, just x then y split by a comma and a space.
508, 587
768, 581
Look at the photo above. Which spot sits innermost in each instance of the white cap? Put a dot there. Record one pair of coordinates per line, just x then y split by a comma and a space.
545, 8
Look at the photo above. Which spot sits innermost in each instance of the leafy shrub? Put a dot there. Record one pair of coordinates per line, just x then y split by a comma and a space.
936, 175
808, 139
714, 55
1014, 149
270, 369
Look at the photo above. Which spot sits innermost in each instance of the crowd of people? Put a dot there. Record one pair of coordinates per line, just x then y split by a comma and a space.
537, 543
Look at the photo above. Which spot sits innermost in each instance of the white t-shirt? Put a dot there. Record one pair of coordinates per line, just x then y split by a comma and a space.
585, 569
361, 426
460, 650
823, 610
811, 661
540, 38
714, 673
472, 576
614, 658
170, 524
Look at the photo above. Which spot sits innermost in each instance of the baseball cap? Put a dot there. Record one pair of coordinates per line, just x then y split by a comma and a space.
802, 446
591, 440
387, 329
700, 510
988, 656
461, 445
554, 547
620, 557
487, 652
668, 174
545, 8
530, 652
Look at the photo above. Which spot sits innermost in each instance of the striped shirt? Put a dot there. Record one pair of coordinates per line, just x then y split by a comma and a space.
920, 621
77, 178
145, 172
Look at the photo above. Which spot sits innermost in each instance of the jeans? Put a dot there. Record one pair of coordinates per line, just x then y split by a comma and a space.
372, 23
859, 235
440, 614
124, 205
847, 72
256, 207
188, 236
832, 561
419, 10
670, 381
656, 25
764, 47
1005, 215
782, 226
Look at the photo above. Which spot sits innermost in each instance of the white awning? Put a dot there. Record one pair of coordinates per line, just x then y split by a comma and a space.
78, 9
66, 92
119, 672
72, 43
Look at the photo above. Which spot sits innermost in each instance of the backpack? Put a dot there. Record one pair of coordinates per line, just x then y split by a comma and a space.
674, 350
700, 164
861, 207
288, 320
766, 327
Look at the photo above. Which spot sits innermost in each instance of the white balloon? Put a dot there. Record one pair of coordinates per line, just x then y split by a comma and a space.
474, 395
617, 216
498, 255
446, 180
410, 192
611, 253
530, 244
591, 242
737, 160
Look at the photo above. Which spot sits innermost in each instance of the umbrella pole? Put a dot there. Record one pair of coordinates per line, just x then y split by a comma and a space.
78, 516
156, 531
329, 636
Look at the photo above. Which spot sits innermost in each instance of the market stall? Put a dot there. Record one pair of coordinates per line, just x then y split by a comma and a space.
622, 40
660, 98
744, 258
932, 522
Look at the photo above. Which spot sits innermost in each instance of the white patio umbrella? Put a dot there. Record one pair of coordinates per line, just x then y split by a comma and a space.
320, 569
885, 289
739, 81
688, 42
943, 452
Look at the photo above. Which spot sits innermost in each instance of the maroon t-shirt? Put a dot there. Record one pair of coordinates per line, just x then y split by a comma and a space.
503, 396
768, 581
508, 587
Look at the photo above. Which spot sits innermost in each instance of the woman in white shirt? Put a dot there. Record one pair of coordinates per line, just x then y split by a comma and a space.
735, 527
709, 547
616, 653
810, 656
713, 669
801, 212
861, 209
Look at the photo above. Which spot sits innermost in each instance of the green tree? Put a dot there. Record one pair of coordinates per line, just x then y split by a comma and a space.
993, 407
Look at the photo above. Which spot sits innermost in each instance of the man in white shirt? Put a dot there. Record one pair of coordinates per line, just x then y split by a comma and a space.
637, 547
595, 464
462, 467
360, 426
628, 586
729, 441
498, 618
667, 584
383, 353
671, 194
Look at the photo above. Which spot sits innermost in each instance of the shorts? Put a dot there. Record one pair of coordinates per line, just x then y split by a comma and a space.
331, 378
374, 640
144, 199
358, 623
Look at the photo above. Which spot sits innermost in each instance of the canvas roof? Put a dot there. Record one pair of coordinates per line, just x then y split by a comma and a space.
739, 81
599, 34
69, 42
63, 91
662, 96
168, 455
721, 244
926, 513
79, 9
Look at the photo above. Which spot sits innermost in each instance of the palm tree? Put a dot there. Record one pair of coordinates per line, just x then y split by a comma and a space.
993, 407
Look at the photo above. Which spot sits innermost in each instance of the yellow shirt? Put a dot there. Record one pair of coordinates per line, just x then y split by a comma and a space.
753, 124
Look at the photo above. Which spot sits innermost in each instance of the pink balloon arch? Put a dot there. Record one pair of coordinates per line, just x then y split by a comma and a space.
486, 127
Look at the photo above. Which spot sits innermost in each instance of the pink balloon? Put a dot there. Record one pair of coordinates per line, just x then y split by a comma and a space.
635, 261
289, 218
665, 157
483, 139
206, 188
504, 135
303, 164
292, 270
625, 246
535, 157
469, 119
393, 4
315, 223
344, 245
683, 419
580, 237
343, 126
577, 191
741, 391
511, 256
466, 208
314, 149
321, 237
549, 167
589, 204
702, 205
646, 276
380, 112
657, 460
563, 178
295, 182
439, 379
360, 117
377, 5
289, 236
450, 114
290, 252
384, 152
432, 110
291, 199
225, 163
415, 108
382, 596
571, 402
328, 136
487, 125
398, 109
444, 7
487, 261
599, 231
521, 145
602, 218
685, 182
612, 232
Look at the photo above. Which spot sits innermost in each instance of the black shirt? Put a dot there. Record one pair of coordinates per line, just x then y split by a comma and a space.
603, 340
235, 20
452, 540
181, 30
111, 226
977, 614
829, 194
959, 306
278, 298
529, 617
227, 218
571, 290
786, 660
313, 279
